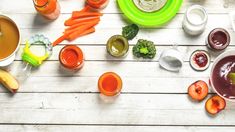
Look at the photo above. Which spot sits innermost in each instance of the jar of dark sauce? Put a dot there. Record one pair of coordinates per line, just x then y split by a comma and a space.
218, 39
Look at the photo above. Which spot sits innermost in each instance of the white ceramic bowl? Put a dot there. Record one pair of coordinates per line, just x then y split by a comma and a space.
171, 60
220, 57
8, 60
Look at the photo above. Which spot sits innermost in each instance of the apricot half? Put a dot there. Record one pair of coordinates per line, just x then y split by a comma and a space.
198, 90
215, 104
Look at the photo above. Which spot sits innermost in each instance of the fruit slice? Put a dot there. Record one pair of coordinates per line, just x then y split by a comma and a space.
198, 90
200, 60
8, 81
232, 77
215, 104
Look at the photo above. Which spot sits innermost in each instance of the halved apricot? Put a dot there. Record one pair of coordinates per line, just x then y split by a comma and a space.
198, 90
215, 104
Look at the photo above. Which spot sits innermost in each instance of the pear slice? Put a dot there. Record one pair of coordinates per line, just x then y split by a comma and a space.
231, 76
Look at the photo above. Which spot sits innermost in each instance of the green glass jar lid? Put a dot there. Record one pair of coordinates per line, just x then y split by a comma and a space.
117, 46
163, 13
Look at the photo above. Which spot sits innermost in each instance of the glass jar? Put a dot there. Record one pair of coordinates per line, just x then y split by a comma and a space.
195, 20
71, 57
110, 86
97, 4
218, 39
50, 9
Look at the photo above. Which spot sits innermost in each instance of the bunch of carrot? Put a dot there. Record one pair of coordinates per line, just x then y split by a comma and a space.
81, 23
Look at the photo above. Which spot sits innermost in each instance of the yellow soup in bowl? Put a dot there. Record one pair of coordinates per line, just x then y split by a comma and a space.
9, 37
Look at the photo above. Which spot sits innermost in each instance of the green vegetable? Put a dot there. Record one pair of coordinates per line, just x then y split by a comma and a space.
130, 31
145, 49
232, 77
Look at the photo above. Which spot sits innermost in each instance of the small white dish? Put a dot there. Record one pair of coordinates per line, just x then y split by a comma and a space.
171, 59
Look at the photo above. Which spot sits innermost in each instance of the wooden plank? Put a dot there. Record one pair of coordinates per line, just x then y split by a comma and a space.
35, 25
101, 36
26, 6
89, 84
99, 53
125, 69
116, 20
131, 109
83, 128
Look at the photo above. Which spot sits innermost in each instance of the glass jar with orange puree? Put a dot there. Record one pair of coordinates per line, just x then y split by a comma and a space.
97, 4
71, 58
110, 86
50, 9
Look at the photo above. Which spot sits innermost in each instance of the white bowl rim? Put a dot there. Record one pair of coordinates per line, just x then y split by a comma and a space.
221, 56
13, 53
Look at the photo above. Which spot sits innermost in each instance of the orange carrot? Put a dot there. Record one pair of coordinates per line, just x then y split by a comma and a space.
60, 39
82, 23
72, 21
83, 31
82, 27
91, 30
77, 34
76, 14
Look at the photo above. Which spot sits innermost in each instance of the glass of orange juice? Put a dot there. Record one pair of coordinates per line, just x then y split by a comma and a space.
50, 9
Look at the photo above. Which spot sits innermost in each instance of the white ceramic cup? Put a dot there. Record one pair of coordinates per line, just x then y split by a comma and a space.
8, 60
171, 60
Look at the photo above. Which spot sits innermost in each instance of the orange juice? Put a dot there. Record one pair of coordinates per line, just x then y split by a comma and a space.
48, 8
9, 37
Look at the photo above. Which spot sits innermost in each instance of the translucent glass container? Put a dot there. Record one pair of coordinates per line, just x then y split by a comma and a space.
110, 86
195, 20
50, 9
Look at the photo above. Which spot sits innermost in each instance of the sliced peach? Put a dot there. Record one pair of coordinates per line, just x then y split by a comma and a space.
215, 104
198, 90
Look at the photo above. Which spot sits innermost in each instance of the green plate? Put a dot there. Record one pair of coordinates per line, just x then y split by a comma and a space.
150, 19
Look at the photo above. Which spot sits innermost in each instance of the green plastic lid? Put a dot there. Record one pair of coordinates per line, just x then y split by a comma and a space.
150, 19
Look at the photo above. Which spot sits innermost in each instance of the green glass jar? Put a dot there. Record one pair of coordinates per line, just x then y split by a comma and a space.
117, 46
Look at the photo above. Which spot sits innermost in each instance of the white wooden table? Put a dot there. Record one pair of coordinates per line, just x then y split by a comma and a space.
152, 98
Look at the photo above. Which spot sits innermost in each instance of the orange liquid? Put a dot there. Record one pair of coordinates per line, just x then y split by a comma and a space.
9, 37
110, 84
48, 8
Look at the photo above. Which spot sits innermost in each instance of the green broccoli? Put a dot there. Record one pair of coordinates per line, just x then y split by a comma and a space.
130, 31
145, 49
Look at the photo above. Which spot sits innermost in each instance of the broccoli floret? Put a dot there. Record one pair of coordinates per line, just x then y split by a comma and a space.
145, 49
130, 31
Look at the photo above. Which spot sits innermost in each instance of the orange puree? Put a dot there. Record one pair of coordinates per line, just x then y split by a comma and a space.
9, 37
71, 57
110, 84
48, 8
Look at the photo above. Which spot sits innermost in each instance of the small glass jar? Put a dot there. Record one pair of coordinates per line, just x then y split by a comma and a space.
218, 39
110, 86
50, 9
97, 4
117, 46
195, 20
71, 57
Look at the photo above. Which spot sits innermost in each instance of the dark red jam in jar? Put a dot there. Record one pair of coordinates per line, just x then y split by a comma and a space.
200, 60
218, 39
220, 77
